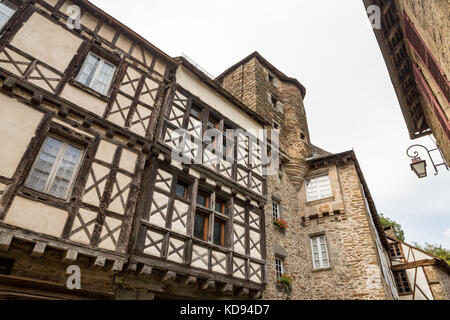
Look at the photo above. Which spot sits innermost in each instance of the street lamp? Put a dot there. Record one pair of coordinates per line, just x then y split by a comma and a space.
419, 166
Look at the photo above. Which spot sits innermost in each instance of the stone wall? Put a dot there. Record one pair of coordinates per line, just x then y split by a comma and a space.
439, 281
355, 271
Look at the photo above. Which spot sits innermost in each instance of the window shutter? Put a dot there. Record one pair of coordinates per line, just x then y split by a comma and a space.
416, 41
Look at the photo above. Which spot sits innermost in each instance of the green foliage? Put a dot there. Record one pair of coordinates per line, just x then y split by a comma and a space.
386, 222
435, 250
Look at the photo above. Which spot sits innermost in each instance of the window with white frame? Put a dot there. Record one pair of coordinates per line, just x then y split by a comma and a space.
279, 267
96, 73
276, 210
55, 168
7, 9
318, 188
319, 252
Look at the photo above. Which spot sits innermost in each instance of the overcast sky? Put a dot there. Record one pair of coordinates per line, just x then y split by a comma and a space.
330, 48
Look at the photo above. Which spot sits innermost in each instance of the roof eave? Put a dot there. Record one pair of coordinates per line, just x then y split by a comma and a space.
269, 66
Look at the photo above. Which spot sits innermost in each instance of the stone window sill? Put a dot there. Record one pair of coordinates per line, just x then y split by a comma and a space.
320, 201
322, 269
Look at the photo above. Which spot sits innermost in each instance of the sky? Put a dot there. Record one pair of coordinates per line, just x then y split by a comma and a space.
350, 102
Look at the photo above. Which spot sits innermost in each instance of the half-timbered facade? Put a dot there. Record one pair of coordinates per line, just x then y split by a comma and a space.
418, 275
200, 218
152, 180
79, 107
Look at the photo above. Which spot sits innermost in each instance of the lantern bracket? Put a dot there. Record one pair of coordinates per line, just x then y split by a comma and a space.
415, 156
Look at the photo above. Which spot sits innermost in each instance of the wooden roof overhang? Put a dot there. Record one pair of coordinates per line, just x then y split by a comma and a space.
392, 43
269, 66
342, 158
215, 85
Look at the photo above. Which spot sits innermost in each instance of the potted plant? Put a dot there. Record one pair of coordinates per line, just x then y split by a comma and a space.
286, 281
281, 223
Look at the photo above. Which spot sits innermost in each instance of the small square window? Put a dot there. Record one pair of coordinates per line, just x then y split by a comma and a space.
220, 206
203, 199
213, 123
402, 282
7, 9
201, 226
96, 73
181, 190
394, 250
219, 232
55, 169
195, 112
318, 188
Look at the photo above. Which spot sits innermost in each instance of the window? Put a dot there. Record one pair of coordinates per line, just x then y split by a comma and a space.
181, 190
201, 227
320, 252
279, 267
276, 210
275, 125
318, 188
219, 206
7, 9
402, 282
203, 199
219, 232
394, 250
213, 123
272, 78
96, 73
195, 112
274, 101
55, 168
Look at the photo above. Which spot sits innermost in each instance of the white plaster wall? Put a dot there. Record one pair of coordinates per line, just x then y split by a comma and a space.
18, 124
47, 42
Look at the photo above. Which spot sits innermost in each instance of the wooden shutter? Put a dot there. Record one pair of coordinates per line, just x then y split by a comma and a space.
416, 41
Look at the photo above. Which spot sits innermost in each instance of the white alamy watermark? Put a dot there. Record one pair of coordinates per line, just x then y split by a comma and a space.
254, 148
74, 20
374, 14
74, 280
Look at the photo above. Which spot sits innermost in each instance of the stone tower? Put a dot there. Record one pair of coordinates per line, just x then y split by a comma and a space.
275, 96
